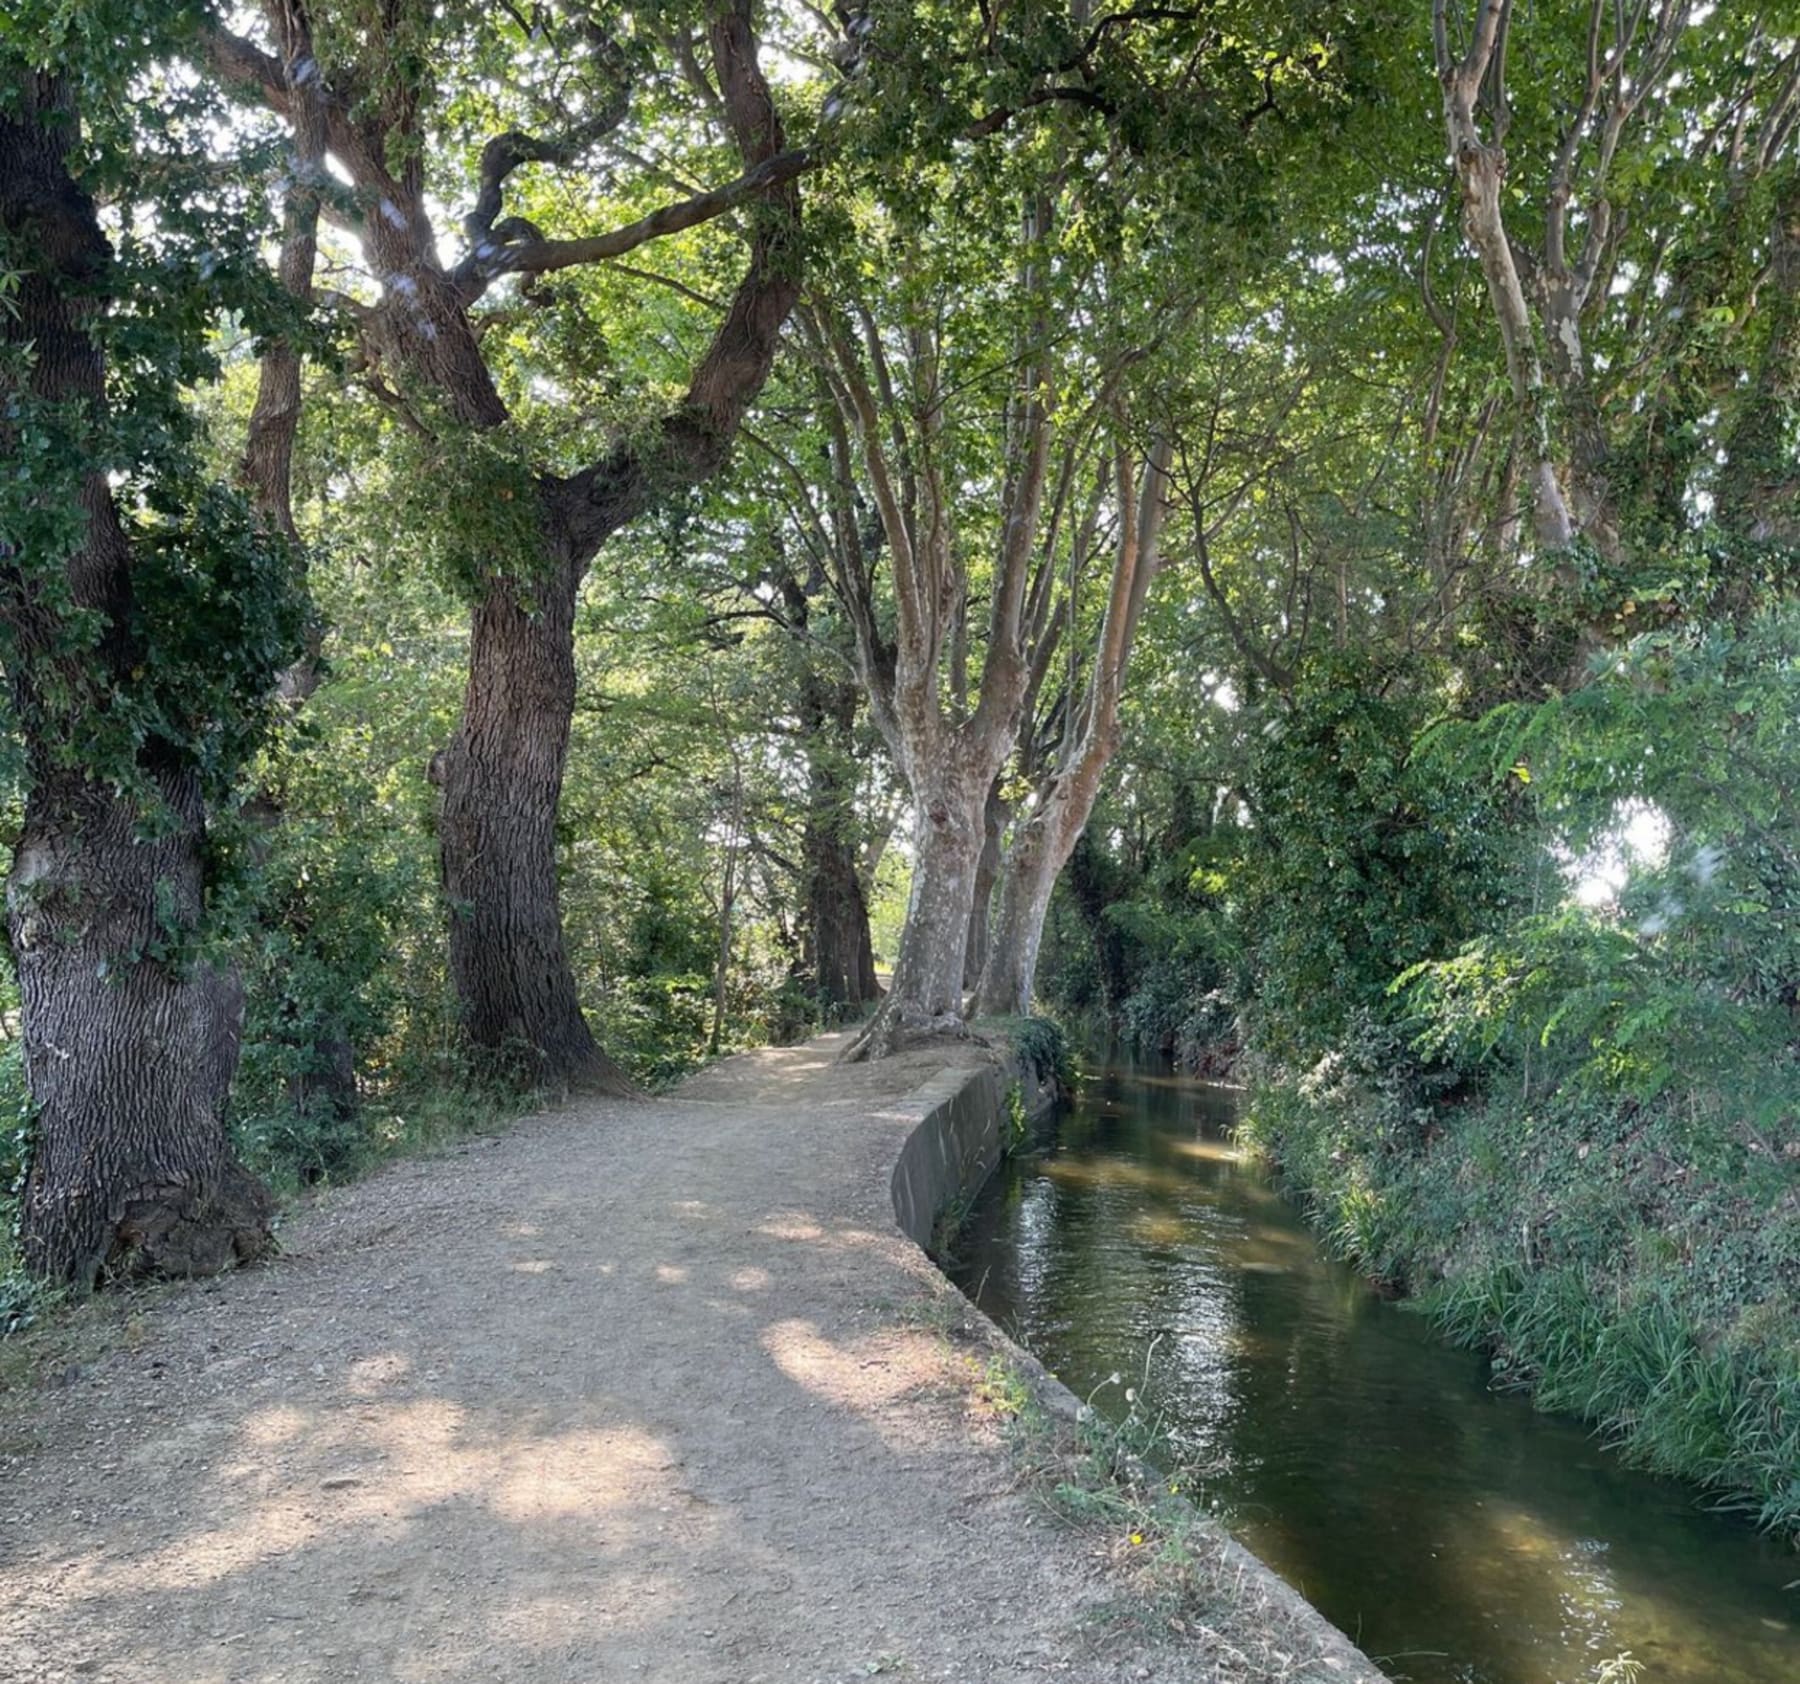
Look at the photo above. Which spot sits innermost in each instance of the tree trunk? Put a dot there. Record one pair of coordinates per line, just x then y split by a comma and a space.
987, 869
128, 1059
130, 1045
1044, 839
502, 777
926, 994
840, 957
1008, 977
325, 1082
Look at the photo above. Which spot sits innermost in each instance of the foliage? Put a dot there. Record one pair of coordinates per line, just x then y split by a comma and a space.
1364, 858
1042, 1047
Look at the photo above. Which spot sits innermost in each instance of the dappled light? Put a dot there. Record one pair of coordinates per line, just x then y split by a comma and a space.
671, 671
1453, 1529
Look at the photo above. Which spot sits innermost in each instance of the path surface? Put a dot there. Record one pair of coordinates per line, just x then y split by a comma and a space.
631, 1391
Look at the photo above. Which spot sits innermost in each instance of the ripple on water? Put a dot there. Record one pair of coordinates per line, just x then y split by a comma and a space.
1441, 1524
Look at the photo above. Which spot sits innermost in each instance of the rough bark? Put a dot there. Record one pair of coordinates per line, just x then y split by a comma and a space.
502, 772
838, 954
128, 1057
502, 780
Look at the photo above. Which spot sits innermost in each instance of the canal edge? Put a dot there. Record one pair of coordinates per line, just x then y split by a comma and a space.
947, 1157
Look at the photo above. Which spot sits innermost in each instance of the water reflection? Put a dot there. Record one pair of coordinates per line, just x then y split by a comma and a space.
1452, 1531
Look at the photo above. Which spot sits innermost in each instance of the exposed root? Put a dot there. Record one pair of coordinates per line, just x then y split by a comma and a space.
895, 1028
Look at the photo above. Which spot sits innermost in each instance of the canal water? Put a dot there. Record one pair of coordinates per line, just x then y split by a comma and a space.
1456, 1534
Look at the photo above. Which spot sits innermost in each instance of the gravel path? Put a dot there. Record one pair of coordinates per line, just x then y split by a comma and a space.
645, 1390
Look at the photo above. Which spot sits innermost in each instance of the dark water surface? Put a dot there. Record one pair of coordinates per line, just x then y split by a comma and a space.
1451, 1530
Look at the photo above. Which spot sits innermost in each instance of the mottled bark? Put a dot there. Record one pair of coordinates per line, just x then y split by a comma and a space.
987, 873
128, 1056
1629, 53
926, 993
949, 758
1481, 171
1046, 835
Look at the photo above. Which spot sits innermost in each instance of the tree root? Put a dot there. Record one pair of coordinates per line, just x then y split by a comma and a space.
895, 1028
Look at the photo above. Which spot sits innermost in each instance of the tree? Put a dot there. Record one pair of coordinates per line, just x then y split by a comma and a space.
145, 620
528, 531
1064, 796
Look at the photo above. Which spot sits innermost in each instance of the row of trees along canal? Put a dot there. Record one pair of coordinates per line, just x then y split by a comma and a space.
510, 507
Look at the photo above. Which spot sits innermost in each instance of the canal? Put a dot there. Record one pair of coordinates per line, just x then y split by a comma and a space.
1456, 1534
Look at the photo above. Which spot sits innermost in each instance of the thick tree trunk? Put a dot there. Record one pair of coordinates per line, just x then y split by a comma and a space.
987, 870
1040, 849
1010, 974
926, 994
130, 1046
502, 778
129, 1060
502, 774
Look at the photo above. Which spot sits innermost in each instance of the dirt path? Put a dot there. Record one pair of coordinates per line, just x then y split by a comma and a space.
632, 1391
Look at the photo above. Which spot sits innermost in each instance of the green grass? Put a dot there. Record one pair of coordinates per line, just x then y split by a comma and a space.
1635, 1266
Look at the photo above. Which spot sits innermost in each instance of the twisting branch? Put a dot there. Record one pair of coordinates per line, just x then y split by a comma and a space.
507, 152
535, 255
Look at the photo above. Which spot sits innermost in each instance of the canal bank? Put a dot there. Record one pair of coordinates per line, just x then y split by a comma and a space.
1465, 1538
654, 1390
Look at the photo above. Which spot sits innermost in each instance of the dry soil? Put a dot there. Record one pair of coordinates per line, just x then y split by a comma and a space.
633, 1390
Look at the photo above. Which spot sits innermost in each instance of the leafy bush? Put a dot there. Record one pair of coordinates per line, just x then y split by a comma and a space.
1366, 857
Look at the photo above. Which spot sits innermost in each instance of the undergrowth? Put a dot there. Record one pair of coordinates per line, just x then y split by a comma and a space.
1120, 1478
1635, 1265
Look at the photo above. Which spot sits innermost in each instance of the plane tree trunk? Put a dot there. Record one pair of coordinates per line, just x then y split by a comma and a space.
949, 749
1560, 440
987, 873
1046, 835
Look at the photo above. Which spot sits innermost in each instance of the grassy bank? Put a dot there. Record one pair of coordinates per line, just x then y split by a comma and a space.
1636, 1266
